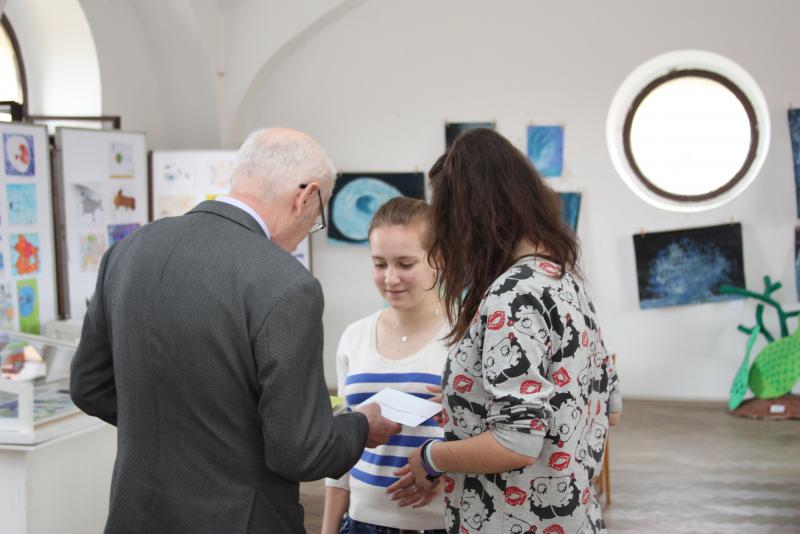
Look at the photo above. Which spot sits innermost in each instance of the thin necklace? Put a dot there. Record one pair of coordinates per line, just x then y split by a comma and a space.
404, 337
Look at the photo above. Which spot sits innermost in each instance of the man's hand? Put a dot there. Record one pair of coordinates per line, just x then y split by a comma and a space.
380, 428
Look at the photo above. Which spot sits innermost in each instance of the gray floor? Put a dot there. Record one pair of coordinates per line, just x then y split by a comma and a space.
680, 467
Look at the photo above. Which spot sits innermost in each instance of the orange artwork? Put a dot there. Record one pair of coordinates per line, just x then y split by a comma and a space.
28, 261
121, 201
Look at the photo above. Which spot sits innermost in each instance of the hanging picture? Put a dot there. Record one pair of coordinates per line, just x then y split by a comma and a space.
797, 259
453, 129
103, 181
19, 154
117, 232
184, 178
794, 133
357, 196
570, 208
28, 304
688, 266
27, 249
546, 149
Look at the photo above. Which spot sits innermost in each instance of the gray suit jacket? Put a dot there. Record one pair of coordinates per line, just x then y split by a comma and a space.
203, 345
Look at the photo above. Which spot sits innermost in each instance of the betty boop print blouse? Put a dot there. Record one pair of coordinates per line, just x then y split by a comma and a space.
533, 371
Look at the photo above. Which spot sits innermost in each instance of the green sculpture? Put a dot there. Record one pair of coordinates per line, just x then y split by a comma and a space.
776, 369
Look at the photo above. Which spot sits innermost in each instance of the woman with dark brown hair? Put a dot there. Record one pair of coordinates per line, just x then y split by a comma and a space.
528, 385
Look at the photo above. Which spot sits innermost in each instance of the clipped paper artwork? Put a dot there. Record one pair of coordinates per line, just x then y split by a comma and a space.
92, 248
90, 203
121, 160
688, 266
356, 197
176, 177
219, 175
174, 205
28, 302
570, 208
453, 129
546, 149
794, 133
123, 202
6, 307
19, 155
117, 232
21, 204
24, 254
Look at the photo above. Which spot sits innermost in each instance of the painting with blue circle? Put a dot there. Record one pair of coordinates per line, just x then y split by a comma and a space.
681, 267
546, 149
357, 196
18, 154
570, 208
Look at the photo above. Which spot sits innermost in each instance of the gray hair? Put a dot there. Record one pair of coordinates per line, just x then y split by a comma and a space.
272, 161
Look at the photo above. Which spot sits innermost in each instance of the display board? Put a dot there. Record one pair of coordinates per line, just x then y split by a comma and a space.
27, 251
181, 179
102, 196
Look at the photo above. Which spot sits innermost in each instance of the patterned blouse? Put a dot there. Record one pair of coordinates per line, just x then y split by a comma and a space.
533, 371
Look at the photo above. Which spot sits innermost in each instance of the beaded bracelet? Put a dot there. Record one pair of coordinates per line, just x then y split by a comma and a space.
431, 472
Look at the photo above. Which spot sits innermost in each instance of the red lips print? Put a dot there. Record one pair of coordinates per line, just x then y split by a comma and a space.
537, 425
530, 386
559, 460
561, 377
462, 383
549, 268
553, 529
449, 484
496, 320
585, 338
585, 496
515, 496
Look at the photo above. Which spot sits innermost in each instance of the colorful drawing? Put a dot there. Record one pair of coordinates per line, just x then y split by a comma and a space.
24, 254
91, 202
2, 259
19, 155
570, 208
173, 205
546, 149
219, 175
688, 266
6, 307
357, 197
124, 202
28, 304
453, 129
794, 133
92, 248
121, 160
176, 176
21, 204
117, 232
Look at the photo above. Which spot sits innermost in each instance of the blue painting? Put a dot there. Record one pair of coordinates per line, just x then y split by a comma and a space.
21, 204
570, 208
688, 266
454, 129
117, 232
18, 153
797, 259
794, 132
357, 196
546, 149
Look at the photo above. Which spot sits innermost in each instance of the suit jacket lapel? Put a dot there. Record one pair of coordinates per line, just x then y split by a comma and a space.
231, 213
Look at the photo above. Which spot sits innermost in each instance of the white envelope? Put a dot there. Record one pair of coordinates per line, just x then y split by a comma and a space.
403, 408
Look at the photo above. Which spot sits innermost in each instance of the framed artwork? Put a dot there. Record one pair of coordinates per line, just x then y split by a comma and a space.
27, 247
681, 267
181, 179
546, 149
357, 196
102, 186
570, 208
453, 129
794, 134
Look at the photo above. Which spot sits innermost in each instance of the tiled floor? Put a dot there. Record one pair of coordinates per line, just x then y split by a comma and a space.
688, 467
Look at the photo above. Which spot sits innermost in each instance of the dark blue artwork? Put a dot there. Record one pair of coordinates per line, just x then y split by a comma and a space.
570, 208
797, 258
546, 149
18, 154
453, 129
688, 266
794, 132
357, 196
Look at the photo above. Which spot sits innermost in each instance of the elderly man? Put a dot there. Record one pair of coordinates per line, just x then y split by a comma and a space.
203, 345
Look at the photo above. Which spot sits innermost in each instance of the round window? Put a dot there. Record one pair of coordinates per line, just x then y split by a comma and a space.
688, 130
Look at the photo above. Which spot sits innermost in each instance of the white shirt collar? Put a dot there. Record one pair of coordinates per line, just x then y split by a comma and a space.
247, 209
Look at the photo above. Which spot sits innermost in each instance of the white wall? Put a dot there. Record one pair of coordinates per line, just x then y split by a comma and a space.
376, 84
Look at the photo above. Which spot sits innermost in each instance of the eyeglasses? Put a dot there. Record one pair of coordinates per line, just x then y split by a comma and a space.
319, 225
